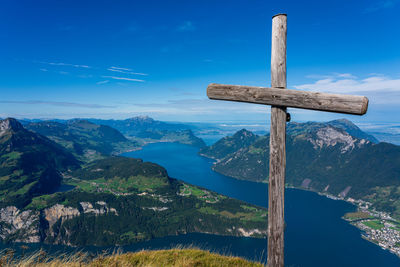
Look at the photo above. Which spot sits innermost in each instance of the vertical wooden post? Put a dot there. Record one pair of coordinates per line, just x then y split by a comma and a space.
277, 162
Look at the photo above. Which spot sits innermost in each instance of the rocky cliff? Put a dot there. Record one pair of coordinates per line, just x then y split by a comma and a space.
32, 226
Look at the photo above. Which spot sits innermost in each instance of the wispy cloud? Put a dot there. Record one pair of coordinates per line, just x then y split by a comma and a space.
123, 78
118, 68
379, 88
186, 26
199, 107
331, 76
103, 82
381, 5
342, 84
56, 103
65, 64
126, 71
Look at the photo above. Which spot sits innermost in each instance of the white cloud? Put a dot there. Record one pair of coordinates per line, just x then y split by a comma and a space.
125, 71
65, 64
346, 75
123, 78
103, 82
331, 76
379, 89
118, 68
351, 84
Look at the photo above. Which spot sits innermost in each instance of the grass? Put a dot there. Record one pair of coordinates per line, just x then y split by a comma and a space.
120, 185
39, 202
255, 215
254, 150
23, 189
374, 224
357, 215
201, 194
12, 155
145, 258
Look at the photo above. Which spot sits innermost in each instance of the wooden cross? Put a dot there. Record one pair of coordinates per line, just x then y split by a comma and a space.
280, 99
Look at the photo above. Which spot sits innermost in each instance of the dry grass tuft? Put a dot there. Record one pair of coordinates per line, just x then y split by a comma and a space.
145, 258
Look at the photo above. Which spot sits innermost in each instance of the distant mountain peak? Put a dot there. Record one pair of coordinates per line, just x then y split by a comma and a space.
331, 136
142, 118
9, 124
343, 125
244, 134
343, 120
352, 129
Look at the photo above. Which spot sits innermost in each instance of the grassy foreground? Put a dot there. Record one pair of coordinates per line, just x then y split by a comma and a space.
145, 258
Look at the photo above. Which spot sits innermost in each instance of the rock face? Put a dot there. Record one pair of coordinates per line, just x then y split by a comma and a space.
330, 136
9, 124
31, 226
101, 208
56, 212
22, 226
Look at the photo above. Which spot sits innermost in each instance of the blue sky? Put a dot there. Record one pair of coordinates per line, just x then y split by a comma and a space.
117, 59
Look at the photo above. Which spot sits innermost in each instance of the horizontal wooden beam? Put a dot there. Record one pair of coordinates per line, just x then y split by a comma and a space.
349, 104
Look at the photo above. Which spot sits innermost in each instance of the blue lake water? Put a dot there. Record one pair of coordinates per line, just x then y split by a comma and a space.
315, 234
63, 188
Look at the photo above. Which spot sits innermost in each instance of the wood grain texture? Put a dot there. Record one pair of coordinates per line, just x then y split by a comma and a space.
349, 104
276, 187
278, 51
277, 144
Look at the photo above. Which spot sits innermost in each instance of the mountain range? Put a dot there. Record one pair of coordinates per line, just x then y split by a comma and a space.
84, 139
334, 157
145, 129
109, 201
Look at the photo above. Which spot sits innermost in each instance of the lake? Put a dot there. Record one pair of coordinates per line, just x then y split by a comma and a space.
315, 234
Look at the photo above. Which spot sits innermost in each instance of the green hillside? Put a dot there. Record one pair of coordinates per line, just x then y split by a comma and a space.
84, 139
229, 144
113, 201
30, 164
324, 158
122, 200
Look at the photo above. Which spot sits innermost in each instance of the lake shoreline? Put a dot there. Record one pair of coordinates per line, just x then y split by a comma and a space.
309, 217
361, 205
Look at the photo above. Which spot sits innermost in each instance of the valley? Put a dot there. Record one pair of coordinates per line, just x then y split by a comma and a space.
335, 159
149, 204
140, 196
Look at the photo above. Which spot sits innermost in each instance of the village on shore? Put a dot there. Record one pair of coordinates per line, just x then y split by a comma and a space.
377, 226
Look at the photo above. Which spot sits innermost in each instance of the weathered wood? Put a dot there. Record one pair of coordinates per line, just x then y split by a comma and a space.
349, 104
277, 146
279, 98
278, 51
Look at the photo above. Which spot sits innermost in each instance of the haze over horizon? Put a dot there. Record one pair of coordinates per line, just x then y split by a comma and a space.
118, 59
